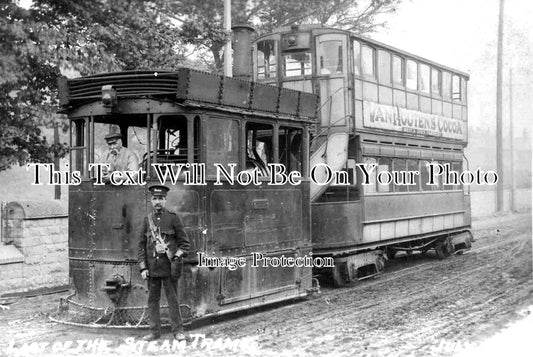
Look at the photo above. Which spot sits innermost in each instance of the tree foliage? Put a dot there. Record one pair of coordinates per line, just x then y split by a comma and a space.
56, 36
88, 37
203, 24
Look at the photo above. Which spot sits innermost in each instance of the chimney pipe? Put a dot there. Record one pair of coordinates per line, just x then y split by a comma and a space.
242, 54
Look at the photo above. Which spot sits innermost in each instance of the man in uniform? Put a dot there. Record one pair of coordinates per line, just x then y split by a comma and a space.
118, 157
162, 246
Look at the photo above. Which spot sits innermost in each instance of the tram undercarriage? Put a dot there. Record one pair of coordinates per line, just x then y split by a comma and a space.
351, 266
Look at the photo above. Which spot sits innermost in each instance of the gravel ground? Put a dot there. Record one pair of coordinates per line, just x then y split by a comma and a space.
421, 306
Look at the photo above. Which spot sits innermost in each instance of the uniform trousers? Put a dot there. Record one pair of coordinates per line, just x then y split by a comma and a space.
154, 296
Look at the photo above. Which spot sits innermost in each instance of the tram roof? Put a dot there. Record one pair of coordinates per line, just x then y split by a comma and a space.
191, 88
311, 27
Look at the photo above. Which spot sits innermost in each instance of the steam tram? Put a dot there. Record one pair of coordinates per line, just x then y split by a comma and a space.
378, 106
320, 98
178, 119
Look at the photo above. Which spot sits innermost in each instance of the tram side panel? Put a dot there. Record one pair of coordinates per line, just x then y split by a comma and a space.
103, 243
265, 224
104, 230
395, 216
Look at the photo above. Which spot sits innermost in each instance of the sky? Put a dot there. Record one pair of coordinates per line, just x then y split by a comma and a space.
463, 34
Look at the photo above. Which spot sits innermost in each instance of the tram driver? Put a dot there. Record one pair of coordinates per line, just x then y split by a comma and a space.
163, 244
118, 157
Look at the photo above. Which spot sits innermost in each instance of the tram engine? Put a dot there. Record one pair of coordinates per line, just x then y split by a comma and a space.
196, 132
393, 111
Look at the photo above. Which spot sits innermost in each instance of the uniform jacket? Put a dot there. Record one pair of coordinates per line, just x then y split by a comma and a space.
124, 160
174, 236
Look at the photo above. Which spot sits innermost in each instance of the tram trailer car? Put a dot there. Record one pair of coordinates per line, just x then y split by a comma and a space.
382, 106
182, 118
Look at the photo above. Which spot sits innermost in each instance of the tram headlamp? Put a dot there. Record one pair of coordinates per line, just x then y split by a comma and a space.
109, 96
291, 41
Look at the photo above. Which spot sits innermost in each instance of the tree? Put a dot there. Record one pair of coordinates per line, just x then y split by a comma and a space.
54, 36
203, 21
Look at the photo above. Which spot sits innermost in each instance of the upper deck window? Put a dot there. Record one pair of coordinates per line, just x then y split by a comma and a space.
456, 88
384, 67
398, 68
463, 89
356, 58
297, 64
446, 84
411, 75
330, 57
435, 81
424, 78
266, 59
367, 61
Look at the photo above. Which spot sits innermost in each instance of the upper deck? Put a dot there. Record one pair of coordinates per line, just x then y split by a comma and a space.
364, 85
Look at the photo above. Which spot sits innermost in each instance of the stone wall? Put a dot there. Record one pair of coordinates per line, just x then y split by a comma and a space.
39, 232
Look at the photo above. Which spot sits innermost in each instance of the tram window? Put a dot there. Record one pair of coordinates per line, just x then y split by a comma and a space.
424, 176
266, 59
78, 149
290, 148
456, 88
384, 165
138, 140
259, 151
356, 58
400, 166
100, 145
412, 165
367, 61
398, 67
222, 143
424, 78
330, 57
455, 171
446, 84
435, 81
353, 189
196, 139
371, 187
343, 193
173, 139
297, 64
438, 179
463, 90
411, 75
384, 66
457, 167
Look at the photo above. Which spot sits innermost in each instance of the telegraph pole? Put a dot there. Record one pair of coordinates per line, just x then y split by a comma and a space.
512, 137
227, 48
57, 188
499, 145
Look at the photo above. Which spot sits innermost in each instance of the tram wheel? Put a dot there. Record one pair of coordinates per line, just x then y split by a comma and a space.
340, 274
443, 248
391, 253
439, 249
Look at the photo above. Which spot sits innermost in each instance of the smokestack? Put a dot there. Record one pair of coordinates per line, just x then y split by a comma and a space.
242, 46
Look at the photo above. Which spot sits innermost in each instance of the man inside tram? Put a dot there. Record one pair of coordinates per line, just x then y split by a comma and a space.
118, 157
